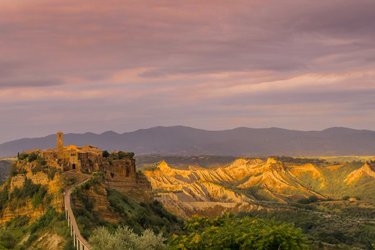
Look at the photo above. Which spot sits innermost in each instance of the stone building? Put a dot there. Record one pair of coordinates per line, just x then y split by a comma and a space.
88, 159
118, 168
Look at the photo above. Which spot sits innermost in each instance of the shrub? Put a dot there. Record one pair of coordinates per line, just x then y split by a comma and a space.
44, 221
3, 198
122, 155
105, 154
125, 238
13, 170
229, 232
36, 192
18, 222
309, 200
32, 157
7, 240
38, 197
41, 161
51, 173
22, 156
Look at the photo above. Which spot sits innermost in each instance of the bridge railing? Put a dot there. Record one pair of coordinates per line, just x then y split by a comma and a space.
79, 241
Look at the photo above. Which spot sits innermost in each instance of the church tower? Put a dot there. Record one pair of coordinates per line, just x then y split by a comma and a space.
60, 145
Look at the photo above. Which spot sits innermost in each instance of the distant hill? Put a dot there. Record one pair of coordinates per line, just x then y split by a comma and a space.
179, 140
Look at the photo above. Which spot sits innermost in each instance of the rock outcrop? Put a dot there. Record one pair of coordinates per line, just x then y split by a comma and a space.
365, 171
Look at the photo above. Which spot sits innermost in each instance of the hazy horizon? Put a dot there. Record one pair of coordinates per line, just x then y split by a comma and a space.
81, 65
99, 132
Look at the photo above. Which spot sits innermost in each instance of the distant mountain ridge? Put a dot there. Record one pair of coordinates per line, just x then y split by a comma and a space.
180, 140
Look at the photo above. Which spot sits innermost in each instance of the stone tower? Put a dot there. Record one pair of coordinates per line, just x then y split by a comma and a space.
60, 144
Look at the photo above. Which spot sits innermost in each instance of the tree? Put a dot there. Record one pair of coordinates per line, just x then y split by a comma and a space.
229, 232
122, 154
123, 238
105, 154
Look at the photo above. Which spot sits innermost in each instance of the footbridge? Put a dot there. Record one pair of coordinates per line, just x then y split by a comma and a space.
78, 240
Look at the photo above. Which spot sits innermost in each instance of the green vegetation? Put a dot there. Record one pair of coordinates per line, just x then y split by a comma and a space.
230, 232
28, 157
22, 156
121, 155
4, 194
13, 170
50, 171
342, 229
105, 154
301, 161
36, 192
308, 200
124, 238
141, 216
5, 169
207, 161
19, 229
335, 159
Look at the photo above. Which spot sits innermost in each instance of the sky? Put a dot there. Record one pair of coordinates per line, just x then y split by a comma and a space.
90, 65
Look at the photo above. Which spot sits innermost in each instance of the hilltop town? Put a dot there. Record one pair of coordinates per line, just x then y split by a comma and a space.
118, 168
56, 179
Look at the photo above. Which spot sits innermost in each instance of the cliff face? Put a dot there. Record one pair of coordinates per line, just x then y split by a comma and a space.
95, 199
239, 185
33, 197
5, 166
38, 179
31, 191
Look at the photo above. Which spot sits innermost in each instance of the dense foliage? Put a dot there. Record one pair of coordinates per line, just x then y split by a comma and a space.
123, 238
345, 228
230, 232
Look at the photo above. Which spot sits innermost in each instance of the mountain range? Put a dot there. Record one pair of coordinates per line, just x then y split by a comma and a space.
180, 140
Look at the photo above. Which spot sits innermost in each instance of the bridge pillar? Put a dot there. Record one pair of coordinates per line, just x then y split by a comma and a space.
74, 240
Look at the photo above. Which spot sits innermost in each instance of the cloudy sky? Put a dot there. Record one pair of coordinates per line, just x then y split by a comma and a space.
90, 65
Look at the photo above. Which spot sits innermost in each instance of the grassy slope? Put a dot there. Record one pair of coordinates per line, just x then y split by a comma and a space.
137, 215
20, 234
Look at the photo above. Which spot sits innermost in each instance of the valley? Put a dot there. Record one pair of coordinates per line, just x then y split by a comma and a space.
331, 200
